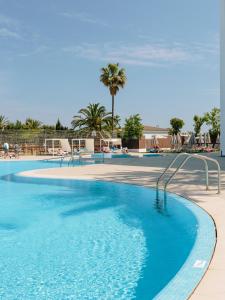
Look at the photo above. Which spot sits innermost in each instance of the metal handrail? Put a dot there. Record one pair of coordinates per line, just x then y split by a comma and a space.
169, 166
71, 159
187, 157
183, 163
83, 154
61, 158
53, 158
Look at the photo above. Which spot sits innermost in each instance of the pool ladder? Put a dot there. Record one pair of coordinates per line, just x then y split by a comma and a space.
186, 158
77, 157
61, 158
96, 157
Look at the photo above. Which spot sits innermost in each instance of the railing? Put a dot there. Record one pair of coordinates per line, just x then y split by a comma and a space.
187, 157
59, 158
82, 156
94, 156
73, 158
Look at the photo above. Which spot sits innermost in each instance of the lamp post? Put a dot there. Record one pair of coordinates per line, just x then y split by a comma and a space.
94, 134
222, 76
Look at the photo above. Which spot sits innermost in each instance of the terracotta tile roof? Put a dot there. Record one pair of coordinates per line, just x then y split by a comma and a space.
154, 128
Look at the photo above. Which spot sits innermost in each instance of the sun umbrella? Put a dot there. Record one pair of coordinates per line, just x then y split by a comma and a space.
179, 141
208, 138
155, 141
186, 139
174, 140
205, 139
201, 139
192, 140
218, 139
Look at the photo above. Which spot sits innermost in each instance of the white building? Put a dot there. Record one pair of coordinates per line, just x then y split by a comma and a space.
150, 131
222, 77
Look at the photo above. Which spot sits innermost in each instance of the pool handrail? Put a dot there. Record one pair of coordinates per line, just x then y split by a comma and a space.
92, 154
189, 156
60, 158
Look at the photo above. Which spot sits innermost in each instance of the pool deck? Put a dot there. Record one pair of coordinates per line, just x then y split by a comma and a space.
189, 183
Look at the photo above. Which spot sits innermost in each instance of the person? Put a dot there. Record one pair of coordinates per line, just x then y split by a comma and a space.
156, 147
125, 150
6, 149
16, 150
105, 149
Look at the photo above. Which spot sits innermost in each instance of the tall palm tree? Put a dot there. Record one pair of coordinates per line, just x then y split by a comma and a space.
93, 118
3, 122
113, 78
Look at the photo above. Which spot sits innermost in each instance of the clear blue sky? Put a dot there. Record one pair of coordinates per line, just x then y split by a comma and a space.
51, 52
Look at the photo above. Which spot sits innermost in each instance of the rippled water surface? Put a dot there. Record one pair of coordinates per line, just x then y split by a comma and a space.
62, 239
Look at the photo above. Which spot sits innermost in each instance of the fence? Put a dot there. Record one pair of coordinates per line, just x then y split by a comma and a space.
32, 141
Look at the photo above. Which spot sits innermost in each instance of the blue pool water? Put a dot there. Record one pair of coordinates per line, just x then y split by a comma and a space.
64, 239
152, 154
123, 155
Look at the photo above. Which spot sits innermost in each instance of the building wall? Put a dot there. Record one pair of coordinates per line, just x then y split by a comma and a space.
222, 76
148, 135
143, 144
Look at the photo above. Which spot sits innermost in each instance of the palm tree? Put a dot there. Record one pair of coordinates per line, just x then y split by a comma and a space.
18, 125
198, 122
32, 124
108, 123
93, 118
113, 78
3, 122
213, 120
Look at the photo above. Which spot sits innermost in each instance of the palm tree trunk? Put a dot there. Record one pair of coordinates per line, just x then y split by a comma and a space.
112, 114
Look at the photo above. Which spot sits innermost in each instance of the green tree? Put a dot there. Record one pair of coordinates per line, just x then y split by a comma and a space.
48, 127
213, 120
59, 126
198, 122
32, 124
176, 125
108, 124
133, 128
113, 78
92, 118
18, 125
3, 122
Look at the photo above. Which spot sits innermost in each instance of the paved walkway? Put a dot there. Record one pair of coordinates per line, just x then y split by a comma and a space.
189, 183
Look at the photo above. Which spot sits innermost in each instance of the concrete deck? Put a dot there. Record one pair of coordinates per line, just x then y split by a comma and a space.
189, 183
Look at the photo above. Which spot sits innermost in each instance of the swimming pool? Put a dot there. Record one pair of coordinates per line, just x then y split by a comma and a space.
65, 239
